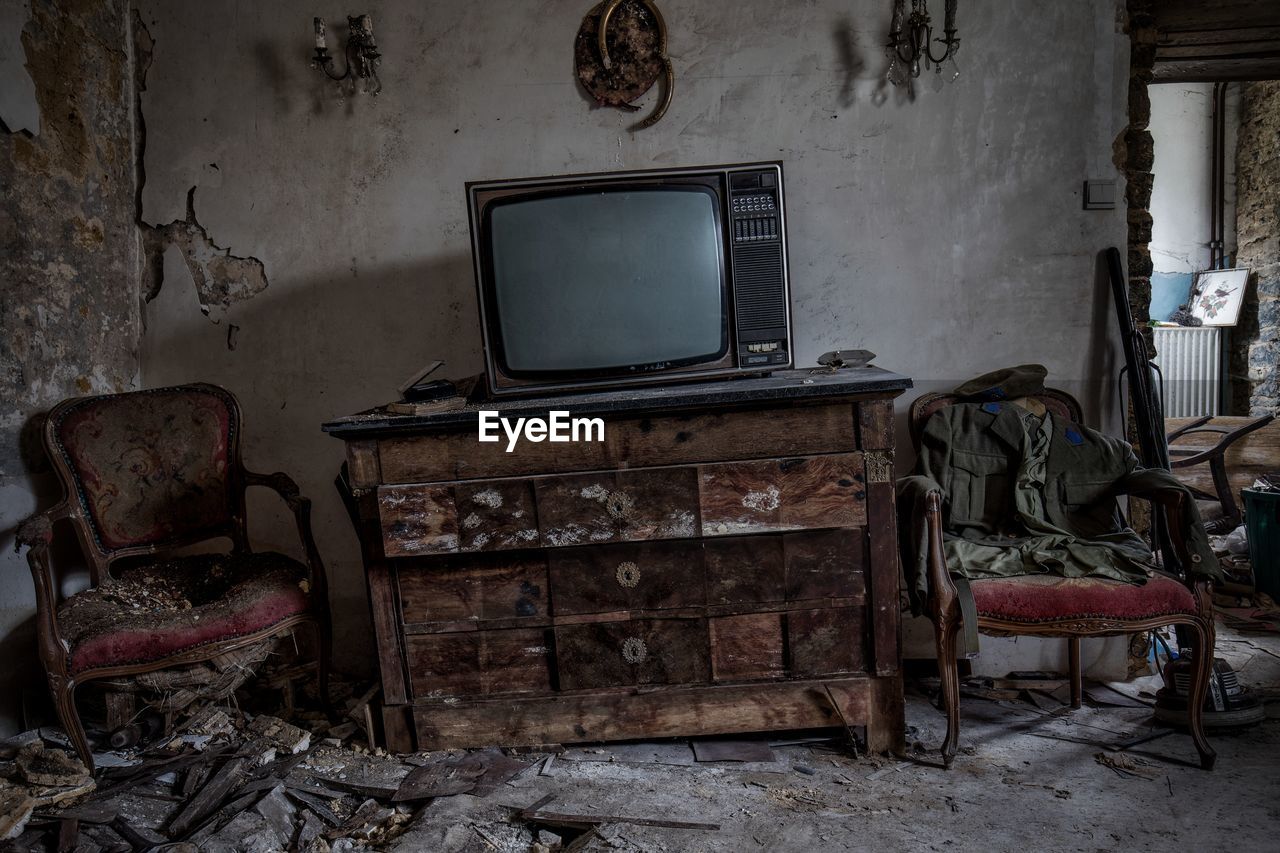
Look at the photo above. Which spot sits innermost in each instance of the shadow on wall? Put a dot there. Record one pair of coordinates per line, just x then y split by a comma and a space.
305, 351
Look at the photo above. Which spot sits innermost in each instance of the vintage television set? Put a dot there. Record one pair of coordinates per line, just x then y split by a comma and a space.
601, 280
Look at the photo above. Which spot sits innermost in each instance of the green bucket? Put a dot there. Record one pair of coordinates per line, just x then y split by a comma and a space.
1262, 524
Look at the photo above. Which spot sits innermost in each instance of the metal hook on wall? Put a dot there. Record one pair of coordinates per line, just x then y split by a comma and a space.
616, 85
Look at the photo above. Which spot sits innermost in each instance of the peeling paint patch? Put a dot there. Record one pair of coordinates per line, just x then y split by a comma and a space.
19, 109
70, 323
221, 278
765, 500
491, 498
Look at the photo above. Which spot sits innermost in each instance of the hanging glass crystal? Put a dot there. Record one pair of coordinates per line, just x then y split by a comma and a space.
910, 38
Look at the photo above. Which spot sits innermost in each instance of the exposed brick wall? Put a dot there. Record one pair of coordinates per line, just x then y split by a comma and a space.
1135, 156
1255, 356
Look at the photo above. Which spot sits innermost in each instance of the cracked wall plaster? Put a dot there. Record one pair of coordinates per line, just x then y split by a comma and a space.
70, 317
221, 279
19, 110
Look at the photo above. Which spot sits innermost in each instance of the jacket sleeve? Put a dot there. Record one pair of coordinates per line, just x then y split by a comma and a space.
929, 472
1148, 483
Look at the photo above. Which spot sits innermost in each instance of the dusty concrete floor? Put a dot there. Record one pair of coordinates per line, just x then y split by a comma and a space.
1026, 779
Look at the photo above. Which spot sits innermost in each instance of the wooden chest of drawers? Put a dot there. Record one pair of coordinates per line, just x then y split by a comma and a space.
724, 560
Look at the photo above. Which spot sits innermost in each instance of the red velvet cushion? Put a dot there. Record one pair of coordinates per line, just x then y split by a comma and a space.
1045, 598
161, 609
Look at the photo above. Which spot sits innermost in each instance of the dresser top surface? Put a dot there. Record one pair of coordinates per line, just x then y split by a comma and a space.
809, 384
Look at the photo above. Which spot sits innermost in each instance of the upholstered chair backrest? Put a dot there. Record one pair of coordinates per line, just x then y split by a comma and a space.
150, 469
1060, 403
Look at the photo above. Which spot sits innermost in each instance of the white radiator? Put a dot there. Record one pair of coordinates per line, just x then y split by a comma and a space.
1191, 360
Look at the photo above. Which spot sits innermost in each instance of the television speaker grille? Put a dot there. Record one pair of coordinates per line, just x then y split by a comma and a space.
761, 300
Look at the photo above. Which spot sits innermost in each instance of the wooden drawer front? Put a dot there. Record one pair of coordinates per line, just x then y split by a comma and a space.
822, 642
417, 520
641, 651
641, 576
826, 564
479, 663
496, 515
744, 570
628, 505
457, 593
652, 441
783, 494
655, 503
817, 642
814, 564
747, 647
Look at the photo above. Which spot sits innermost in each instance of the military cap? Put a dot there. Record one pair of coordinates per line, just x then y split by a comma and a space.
1008, 383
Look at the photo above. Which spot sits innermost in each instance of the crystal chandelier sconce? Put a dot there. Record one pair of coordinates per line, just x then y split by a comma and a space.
361, 52
911, 43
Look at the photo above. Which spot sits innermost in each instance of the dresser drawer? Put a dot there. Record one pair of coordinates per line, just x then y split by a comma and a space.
812, 564
827, 641
479, 663
794, 643
648, 503
654, 440
639, 651
639, 576
457, 593
783, 494
720, 499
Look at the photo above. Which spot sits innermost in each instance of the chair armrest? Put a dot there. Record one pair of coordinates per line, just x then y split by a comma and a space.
279, 482
283, 485
1190, 542
1217, 451
36, 534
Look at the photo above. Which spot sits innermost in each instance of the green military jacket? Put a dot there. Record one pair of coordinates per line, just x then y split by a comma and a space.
975, 454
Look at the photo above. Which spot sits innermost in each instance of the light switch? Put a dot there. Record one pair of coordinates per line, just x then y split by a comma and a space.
1100, 195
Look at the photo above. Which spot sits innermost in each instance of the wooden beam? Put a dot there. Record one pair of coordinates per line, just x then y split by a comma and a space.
1184, 15
1215, 70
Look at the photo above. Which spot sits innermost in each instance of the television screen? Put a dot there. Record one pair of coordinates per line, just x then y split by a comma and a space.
608, 279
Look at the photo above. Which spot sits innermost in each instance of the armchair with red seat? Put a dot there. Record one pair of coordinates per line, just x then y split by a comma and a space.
1049, 605
144, 473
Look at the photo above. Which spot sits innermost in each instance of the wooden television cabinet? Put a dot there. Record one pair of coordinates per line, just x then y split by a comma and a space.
723, 561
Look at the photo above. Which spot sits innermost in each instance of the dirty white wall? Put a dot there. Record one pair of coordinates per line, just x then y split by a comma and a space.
946, 233
1182, 127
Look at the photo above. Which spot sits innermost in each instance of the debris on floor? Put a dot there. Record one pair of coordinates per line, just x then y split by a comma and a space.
255, 777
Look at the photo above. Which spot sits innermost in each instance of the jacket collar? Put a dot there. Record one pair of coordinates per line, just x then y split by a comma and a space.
1005, 422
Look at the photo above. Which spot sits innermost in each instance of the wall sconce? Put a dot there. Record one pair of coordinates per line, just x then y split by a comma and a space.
909, 43
362, 55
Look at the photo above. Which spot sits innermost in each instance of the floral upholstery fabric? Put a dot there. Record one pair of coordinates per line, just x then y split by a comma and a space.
1045, 598
150, 466
161, 609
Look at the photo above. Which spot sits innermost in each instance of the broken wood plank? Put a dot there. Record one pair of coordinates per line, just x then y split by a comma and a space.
228, 779
535, 814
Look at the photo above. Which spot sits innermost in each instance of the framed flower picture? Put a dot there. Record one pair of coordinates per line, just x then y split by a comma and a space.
1216, 296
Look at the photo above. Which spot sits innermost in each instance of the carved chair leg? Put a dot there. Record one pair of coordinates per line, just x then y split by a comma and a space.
1077, 683
945, 632
1202, 671
64, 702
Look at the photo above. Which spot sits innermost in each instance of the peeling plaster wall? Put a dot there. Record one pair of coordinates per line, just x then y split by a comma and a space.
70, 319
945, 233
